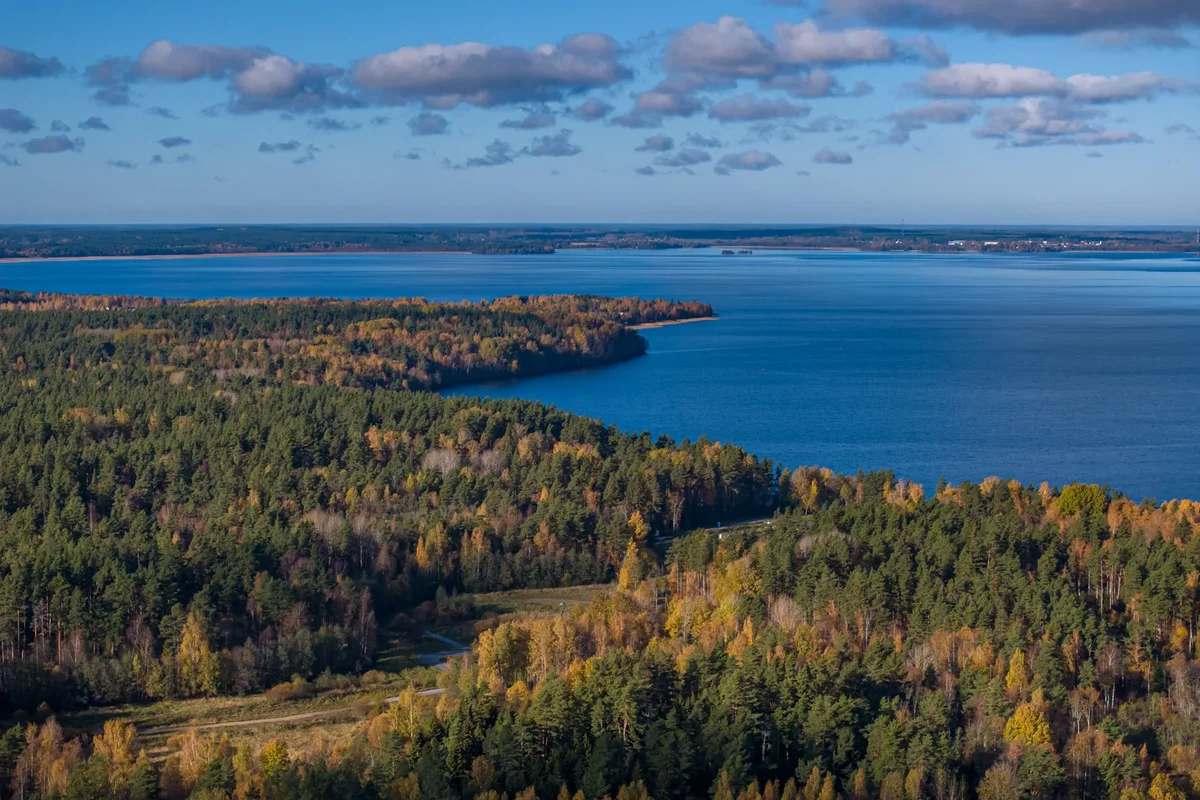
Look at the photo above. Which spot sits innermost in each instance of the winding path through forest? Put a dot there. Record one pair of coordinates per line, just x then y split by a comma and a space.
437, 660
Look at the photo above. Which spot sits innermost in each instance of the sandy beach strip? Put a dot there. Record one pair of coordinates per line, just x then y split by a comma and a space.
664, 323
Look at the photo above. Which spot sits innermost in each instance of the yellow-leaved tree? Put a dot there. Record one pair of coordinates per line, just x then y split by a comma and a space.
723, 789
118, 744
1017, 679
633, 567
1161, 788
1028, 726
860, 790
44, 767
197, 664
638, 527
274, 759
812, 787
634, 791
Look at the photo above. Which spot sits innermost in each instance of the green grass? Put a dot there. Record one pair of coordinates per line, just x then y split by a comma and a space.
400, 655
540, 600
495, 607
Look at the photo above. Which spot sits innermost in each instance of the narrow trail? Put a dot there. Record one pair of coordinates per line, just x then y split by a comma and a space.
437, 660
441, 660
743, 524
722, 528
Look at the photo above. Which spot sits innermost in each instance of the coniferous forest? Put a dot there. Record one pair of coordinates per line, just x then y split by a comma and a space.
216, 499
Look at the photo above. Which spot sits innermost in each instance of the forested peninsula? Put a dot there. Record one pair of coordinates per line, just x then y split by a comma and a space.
395, 344
254, 501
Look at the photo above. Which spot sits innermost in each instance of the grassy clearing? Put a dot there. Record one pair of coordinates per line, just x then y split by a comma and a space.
315, 723
209, 710
307, 739
540, 600
495, 607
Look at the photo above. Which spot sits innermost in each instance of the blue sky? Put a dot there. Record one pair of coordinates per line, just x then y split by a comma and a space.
871, 111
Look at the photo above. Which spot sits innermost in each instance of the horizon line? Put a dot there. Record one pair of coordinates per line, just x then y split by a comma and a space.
574, 225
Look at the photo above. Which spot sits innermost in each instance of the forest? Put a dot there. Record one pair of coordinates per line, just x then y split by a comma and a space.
190, 240
266, 516
398, 344
143, 241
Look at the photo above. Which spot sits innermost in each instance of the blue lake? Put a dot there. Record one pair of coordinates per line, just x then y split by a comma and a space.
1058, 368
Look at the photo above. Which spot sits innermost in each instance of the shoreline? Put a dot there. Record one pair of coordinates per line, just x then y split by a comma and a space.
797, 248
182, 256
839, 249
773, 248
645, 326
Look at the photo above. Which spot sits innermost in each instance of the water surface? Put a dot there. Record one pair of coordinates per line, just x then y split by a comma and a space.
1058, 368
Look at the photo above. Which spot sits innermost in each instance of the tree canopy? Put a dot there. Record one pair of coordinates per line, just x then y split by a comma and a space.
185, 511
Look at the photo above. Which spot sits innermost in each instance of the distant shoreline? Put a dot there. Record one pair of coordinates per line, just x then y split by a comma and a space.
664, 323
792, 248
258, 253
753, 247
180, 256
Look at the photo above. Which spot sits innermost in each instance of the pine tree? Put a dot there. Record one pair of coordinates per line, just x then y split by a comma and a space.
143, 785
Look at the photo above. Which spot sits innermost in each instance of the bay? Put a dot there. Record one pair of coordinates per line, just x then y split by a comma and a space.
1080, 367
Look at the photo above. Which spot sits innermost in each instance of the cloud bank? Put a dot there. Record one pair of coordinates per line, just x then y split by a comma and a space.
1022, 16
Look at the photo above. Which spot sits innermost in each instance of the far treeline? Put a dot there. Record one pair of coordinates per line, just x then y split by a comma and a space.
172, 525
147, 241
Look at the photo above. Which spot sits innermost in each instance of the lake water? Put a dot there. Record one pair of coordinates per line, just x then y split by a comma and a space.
1058, 368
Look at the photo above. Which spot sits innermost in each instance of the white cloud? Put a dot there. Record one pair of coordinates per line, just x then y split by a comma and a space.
445, 76
979, 80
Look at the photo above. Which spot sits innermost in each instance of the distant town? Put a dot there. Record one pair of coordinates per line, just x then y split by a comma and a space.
37, 242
